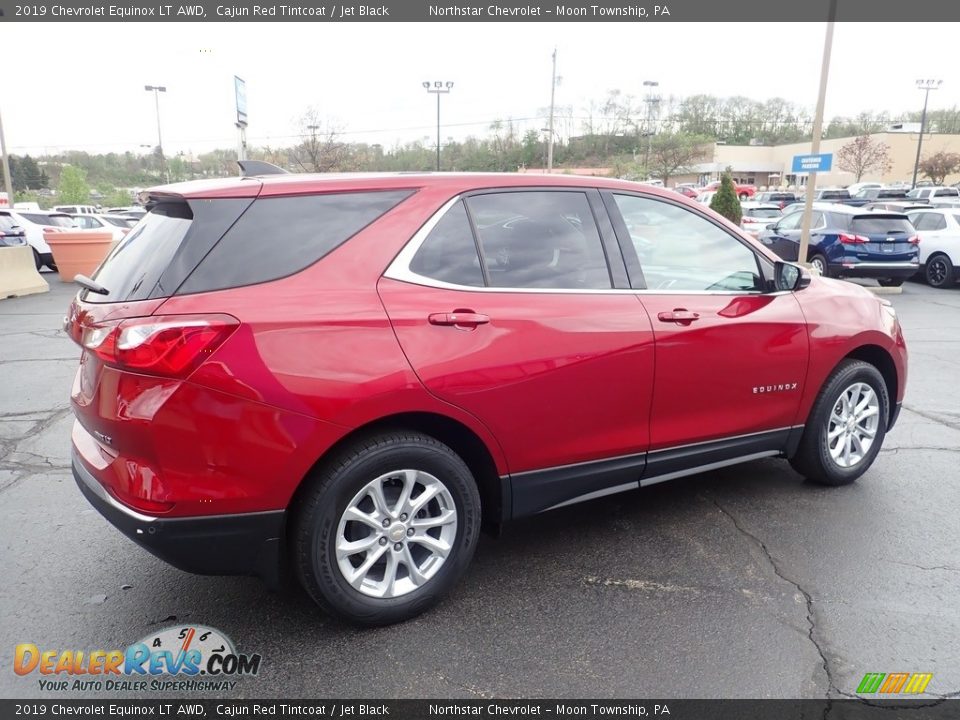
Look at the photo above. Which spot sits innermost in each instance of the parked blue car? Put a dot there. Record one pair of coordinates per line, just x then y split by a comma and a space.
850, 242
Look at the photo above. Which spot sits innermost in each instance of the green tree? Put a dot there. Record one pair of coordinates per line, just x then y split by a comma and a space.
726, 202
674, 154
30, 173
73, 188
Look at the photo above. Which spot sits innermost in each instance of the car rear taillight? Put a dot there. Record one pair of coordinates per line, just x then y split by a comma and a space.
853, 239
915, 240
170, 346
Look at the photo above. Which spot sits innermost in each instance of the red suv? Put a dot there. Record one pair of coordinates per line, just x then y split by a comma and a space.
345, 376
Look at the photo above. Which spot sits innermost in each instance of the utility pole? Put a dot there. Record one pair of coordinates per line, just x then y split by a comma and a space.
926, 86
156, 90
7, 180
553, 88
439, 88
651, 99
815, 142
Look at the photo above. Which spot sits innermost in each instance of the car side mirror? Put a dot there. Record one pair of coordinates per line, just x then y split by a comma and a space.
788, 276
772, 226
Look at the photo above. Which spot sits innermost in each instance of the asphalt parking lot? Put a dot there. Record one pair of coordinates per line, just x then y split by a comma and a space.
743, 582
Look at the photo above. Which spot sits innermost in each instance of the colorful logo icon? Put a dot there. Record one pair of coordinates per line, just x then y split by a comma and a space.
894, 683
191, 650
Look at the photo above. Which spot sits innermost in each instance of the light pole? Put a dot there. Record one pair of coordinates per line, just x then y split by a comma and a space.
156, 90
650, 100
553, 88
926, 86
438, 88
7, 180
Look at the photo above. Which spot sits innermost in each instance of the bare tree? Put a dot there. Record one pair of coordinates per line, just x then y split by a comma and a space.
674, 154
862, 155
320, 149
939, 165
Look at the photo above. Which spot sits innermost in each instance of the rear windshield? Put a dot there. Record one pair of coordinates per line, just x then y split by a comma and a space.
762, 213
6, 222
132, 270
834, 194
880, 225
50, 220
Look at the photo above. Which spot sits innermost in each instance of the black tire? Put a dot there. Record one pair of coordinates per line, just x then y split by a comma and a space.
891, 282
938, 272
331, 489
36, 259
822, 259
813, 459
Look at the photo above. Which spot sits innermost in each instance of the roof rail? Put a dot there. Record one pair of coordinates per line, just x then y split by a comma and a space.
250, 168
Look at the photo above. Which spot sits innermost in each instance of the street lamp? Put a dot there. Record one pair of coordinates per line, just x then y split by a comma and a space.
438, 88
926, 86
156, 90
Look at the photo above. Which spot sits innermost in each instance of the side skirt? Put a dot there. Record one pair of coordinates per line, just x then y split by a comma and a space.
540, 490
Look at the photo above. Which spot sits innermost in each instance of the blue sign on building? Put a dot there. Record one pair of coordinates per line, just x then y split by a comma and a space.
812, 163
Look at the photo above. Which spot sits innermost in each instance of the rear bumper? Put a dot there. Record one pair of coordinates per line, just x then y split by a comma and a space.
244, 544
878, 269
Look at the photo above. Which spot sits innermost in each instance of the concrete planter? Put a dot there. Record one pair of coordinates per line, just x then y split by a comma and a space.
78, 253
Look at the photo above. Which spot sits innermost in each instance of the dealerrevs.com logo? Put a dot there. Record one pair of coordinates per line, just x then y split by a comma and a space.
175, 659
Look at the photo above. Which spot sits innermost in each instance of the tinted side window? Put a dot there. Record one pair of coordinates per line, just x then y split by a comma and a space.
680, 250
791, 221
449, 253
540, 239
279, 236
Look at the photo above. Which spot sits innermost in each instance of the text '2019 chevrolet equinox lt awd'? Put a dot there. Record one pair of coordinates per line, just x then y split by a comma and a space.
344, 376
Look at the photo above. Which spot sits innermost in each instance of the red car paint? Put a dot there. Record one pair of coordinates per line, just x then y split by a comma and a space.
551, 380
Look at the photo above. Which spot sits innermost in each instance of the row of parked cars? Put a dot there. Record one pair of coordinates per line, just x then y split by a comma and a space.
25, 225
890, 239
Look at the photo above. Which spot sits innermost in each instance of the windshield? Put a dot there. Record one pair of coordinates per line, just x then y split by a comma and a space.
764, 213
50, 220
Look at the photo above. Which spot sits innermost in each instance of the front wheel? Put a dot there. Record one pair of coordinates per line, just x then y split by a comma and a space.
846, 426
891, 282
387, 528
939, 271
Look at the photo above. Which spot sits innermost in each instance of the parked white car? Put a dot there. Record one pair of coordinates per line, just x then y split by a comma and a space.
857, 187
76, 209
931, 193
116, 225
939, 231
34, 222
757, 215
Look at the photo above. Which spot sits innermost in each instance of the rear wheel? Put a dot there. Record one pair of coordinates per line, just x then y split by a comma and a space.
846, 426
939, 271
386, 528
819, 263
891, 282
36, 259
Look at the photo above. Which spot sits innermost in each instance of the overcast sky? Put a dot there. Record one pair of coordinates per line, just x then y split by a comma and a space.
80, 86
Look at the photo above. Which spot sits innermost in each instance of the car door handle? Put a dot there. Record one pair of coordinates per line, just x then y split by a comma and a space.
678, 315
459, 318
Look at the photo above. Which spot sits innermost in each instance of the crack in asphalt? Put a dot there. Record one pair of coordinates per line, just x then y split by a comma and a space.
926, 567
808, 598
468, 688
24, 463
933, 418
934, 448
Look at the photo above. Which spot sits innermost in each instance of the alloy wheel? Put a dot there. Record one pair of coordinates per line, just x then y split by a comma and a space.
852, 425
817, 264
396, 533
937, 271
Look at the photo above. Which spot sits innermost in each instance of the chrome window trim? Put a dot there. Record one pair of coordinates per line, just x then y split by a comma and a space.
400, 270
